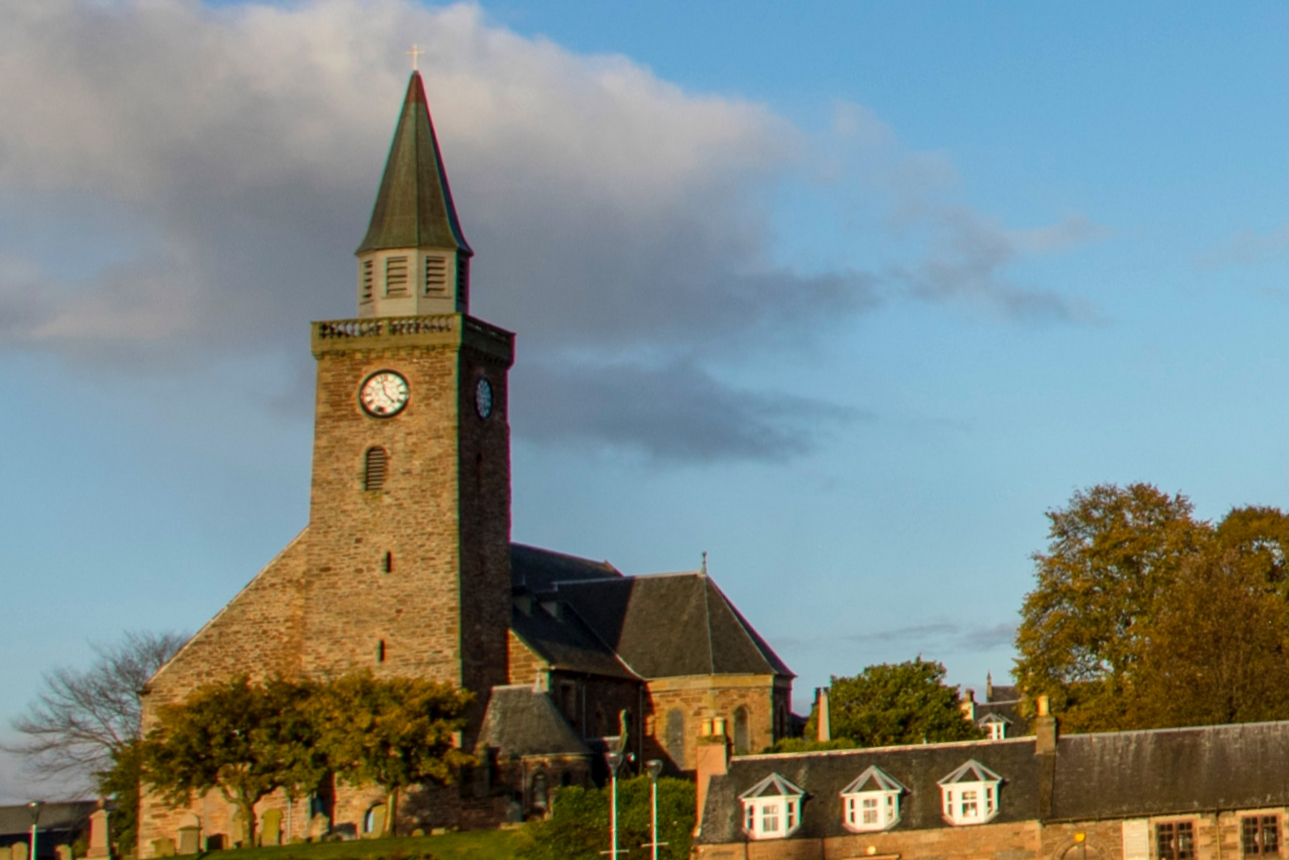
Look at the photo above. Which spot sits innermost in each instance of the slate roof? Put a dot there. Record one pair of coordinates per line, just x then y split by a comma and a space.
667, 625
566, 642
1092, 777
1009, 711
535, 570
73, 815
414, 207
521, 720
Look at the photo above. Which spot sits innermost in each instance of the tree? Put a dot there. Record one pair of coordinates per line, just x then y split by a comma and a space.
84, 725
1216, 649
578, 827
1111, 553
395, 732
896, 703
237, 736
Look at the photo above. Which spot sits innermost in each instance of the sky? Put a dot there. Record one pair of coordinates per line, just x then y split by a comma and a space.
846, 295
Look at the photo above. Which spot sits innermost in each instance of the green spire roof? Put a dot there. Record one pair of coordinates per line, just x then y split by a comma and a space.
414, 206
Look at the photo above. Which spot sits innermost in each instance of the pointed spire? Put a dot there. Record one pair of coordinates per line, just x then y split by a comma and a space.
414, 206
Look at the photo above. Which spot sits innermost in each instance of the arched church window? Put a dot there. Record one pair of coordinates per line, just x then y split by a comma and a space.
676, 736
375, 467
742, 741
540, 794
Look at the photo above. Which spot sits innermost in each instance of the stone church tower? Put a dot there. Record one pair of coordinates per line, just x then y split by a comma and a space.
410, 504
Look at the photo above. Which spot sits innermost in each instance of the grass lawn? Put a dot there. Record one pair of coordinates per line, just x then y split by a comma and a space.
477, 845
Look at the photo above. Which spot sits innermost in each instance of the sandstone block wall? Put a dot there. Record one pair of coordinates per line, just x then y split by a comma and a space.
701, 697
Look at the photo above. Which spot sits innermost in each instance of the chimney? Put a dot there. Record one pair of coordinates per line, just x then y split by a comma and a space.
1045, 728
989, 686
823, 715
968, 705
713, 756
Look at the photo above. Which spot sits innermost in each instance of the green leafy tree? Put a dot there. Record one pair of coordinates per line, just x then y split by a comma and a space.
236, 736
1217, 649
1112, 552
894, 703
395, 732
578, 826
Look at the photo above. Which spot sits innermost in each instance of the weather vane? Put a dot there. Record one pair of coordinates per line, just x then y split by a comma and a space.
414, 53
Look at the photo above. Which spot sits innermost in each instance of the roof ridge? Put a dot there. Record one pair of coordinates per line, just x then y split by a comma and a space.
744, 626
707, 614
870, 750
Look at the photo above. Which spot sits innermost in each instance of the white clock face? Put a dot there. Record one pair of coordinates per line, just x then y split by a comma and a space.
383, 394
483, 398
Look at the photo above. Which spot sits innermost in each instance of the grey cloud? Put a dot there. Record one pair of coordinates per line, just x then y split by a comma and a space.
1246, 248
940, 634
677, 412
236, 153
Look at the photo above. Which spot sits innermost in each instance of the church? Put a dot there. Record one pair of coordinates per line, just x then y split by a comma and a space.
406, 566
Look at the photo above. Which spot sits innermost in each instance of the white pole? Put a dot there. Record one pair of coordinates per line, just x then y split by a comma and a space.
614, 804
33, 840
653, 797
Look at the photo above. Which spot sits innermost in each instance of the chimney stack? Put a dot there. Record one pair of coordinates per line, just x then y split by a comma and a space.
1045, 728
712, 758
823, 717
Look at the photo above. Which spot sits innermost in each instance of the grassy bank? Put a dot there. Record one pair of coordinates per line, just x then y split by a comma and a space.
477, 845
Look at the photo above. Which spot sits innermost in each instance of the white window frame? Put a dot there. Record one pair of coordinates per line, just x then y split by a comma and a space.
885, 802
772, 816
964, 802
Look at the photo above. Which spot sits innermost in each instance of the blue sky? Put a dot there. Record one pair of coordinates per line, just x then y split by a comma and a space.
844, 294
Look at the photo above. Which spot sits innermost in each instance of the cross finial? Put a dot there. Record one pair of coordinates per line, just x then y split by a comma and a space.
414, 54
704, 562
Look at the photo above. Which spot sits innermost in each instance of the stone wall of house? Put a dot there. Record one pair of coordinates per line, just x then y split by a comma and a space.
523, 665
701, 697
1013, 841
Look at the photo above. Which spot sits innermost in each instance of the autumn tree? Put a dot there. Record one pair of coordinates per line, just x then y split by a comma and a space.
1112, 552
895, 703
240, 737
395, 732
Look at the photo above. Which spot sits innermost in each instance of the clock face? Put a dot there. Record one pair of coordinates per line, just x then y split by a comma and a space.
483, 397
383, 394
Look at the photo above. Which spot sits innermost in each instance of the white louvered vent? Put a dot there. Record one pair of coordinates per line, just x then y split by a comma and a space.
395, 276
436, 275
368, 275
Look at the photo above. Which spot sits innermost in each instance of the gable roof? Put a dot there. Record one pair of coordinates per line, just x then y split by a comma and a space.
773, 785
535, 570
972, 771
521, 720
668, 625
874, 779
566, 643
414, 207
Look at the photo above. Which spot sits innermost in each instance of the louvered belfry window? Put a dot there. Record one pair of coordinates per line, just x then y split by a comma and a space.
367, 281
395, 276
436, 274
375, 469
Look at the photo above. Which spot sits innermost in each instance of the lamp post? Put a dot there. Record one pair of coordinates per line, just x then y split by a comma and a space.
34, 808
614, 760
654, 766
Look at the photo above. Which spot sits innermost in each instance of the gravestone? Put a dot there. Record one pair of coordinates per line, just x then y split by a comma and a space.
18, 851
163, 847
238, 828
216, 842
63, 852
271, 827
318, 827
376, 822
99, 848
189, 840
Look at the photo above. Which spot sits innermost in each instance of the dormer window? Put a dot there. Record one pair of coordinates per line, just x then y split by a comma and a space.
995, 726
872, 801
772, 808
969, 795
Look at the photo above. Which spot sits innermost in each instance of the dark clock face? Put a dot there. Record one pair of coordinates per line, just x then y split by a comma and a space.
383, 394
483, 397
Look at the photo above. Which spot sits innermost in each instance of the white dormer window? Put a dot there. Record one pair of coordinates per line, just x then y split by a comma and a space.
771, 808
995, 726
969, 795
872, 801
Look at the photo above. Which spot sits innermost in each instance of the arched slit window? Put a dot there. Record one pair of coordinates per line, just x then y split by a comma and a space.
375, 467
742, 740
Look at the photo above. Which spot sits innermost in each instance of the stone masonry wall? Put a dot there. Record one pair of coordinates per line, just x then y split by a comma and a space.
522, 663
700, 697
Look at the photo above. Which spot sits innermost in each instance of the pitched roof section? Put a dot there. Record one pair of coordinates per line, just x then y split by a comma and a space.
972, 771
536, 570
521, 721
671, 625
566, 643
414, 207
874, 779
773, 785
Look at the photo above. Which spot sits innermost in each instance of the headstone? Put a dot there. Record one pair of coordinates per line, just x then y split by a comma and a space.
99, 848
271, 827
377, 822
63, 852
163, 847
318, 827
238, 828
215, 842
189, 840
18, 851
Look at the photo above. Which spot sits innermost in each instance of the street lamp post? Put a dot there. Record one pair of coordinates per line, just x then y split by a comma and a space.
34, 808
614, 760
654, 766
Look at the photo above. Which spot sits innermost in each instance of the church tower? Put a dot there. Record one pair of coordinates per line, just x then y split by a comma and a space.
408, 568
